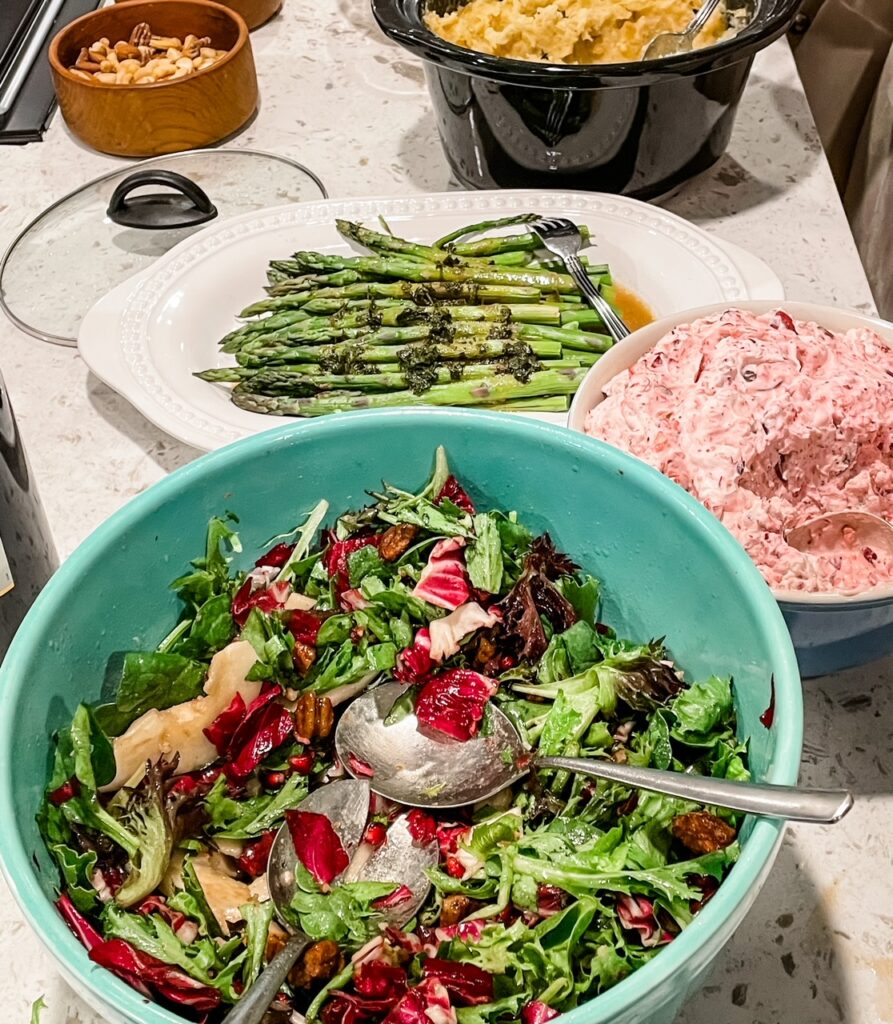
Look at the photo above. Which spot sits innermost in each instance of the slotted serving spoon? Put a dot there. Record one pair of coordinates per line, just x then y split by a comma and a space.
398, 860
427, 769
666, 44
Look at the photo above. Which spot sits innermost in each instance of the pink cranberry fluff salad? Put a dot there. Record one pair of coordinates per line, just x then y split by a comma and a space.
769, 422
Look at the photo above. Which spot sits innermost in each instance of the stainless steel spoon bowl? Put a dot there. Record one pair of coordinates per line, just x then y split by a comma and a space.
427, 769
868, 531
398, 859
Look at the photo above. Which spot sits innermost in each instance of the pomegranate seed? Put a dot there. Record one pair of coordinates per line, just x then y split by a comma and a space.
302, 763
375, 834
274, 780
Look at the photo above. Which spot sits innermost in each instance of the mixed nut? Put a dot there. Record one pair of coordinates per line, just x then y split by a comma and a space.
145, 58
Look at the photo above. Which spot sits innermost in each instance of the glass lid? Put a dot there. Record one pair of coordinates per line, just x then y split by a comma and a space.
91, 240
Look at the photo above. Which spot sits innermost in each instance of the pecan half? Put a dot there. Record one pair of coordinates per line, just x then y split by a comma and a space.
322, 961
455, 908
304, 656
314, 716
396, 540
702, 832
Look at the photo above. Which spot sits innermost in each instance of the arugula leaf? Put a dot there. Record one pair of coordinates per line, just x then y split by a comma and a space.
305, 535
202, 959
399, 601
363, 562
483, 556
258, 917
210, 575
272, 643
344, 914
446, 520
335, 630
245, 819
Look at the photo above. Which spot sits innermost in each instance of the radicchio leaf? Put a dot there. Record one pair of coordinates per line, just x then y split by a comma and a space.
393, 899
276, 557
467, 984
250, 595
421, 826
256, 854
537, 1013
336, 559
444, 580
317, 845
266, 726
414, 662
80, 925
220, 731
379, 980
453, 702
140, 970
637, 914
453, 491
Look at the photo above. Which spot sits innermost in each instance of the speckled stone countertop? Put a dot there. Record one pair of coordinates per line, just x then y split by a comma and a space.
817, 946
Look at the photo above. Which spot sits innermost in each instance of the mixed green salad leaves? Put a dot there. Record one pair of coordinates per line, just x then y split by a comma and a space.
163, 802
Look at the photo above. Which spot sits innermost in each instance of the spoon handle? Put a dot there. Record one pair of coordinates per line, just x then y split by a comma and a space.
821, 806
251, 1007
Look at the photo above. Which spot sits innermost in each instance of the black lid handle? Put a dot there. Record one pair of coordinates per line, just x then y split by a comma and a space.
187, 207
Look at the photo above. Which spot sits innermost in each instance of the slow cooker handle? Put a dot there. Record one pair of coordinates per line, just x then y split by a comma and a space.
188, 206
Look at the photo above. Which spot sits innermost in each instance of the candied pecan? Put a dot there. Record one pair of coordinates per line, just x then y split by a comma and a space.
486, 650
321, 961
396, 540
314, 716
276, 940
702, 832
454, 909
303, 656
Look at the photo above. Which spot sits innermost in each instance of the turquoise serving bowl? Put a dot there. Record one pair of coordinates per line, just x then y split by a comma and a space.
668, 568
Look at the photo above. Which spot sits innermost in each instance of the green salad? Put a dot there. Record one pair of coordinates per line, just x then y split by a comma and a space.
164, 801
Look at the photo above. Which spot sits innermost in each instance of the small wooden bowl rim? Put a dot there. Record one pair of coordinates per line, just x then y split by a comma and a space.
238, 45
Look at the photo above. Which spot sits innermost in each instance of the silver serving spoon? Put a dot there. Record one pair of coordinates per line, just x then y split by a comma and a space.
666, 44
427, 769
870, 531
398, 859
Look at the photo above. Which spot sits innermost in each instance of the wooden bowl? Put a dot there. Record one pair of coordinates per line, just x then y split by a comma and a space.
255, 12
165, 117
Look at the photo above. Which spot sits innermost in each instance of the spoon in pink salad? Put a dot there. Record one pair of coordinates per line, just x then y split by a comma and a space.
849, 527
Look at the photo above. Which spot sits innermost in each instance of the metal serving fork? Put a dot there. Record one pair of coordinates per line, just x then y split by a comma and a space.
562, 238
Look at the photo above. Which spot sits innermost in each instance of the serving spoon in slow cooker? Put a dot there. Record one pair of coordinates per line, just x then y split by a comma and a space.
426, 769
667, 44
399, 859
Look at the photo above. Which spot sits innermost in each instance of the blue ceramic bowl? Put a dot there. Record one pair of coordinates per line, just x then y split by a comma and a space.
668, 568
830, 631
